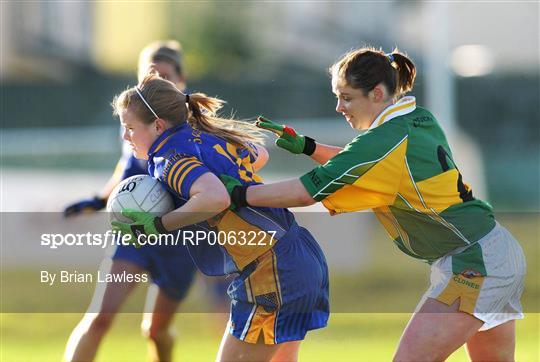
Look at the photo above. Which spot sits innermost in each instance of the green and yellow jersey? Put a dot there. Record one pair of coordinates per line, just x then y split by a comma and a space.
402, 168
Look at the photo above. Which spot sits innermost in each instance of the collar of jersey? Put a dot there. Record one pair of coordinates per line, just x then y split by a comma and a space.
162, 139
404, 106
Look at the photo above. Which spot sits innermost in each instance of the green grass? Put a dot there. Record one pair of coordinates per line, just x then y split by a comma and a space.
349, 337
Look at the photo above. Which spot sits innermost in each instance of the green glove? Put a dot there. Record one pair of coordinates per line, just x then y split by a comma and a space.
143, 223
288, 138
236, 191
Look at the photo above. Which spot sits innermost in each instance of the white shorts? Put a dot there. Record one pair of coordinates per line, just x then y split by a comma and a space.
487, 278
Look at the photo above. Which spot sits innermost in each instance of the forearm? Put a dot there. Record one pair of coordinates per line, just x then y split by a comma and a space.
290, 193
324, 152
195, 210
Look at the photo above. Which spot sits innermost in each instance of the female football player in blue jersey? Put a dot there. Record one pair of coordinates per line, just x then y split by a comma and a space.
281, 287
171, 269
402, 168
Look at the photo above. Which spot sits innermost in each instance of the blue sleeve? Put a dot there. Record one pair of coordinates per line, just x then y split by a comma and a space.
181, 171
134, 167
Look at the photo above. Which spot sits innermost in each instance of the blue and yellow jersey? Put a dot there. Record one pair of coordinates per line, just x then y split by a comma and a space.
402, 168
281, 290
180, 156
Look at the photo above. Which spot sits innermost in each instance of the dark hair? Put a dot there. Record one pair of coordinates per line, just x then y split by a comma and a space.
169, 51
364, 68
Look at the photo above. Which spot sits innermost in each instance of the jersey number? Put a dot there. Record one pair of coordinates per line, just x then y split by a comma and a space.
245, 168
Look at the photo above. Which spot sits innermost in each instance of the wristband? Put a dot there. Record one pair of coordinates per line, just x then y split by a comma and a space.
309, 146
239, 197
158, 224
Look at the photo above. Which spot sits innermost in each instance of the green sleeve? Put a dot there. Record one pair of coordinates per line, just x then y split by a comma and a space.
357, 158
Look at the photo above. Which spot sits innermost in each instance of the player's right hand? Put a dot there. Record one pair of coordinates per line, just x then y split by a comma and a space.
288, 138
85, 206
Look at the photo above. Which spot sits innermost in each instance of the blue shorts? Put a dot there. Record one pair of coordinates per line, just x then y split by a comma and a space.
283, 293
170, 267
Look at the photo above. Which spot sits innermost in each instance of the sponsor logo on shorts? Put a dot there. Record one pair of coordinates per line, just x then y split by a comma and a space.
457, 278
471, 273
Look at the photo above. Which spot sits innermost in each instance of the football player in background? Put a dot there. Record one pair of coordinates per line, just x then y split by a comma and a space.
170, 268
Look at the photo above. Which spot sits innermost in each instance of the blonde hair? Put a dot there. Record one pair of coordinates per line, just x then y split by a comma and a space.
175, 107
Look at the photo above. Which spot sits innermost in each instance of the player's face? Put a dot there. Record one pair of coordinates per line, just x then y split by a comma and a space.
140, 135
358, 109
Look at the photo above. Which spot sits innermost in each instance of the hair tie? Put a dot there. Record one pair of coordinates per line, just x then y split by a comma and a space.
390, 57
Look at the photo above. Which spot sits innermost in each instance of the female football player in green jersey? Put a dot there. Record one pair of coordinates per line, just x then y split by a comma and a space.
402, 168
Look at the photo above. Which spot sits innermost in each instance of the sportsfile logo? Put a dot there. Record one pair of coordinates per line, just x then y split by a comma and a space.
184, 238
110, 237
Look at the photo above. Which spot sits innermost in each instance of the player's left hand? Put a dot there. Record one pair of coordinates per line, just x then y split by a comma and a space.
143, 223
83, 206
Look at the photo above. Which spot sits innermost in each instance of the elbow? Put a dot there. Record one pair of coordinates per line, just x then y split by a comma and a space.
262, 158
221, 201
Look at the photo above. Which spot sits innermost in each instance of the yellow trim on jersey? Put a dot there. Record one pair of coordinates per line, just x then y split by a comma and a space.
222, 152
162, 143
179, 185
242, 255
372, 189
232, 149
403, 106
392, 227
175, 173
410, 193
172, 171
440, 192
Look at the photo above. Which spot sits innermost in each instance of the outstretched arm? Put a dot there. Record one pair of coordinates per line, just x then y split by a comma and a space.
290, 193
324, 152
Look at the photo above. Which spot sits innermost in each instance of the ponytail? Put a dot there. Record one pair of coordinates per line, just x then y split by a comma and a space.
203, 117
406, 73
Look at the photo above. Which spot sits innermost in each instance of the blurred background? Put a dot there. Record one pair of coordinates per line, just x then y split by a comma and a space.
62, 63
